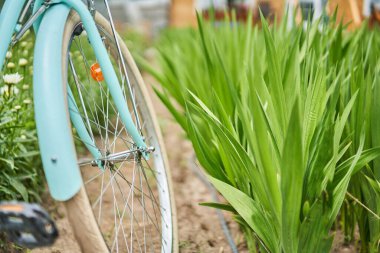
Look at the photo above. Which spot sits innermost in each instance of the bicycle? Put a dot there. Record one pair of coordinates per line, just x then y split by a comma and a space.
100, 144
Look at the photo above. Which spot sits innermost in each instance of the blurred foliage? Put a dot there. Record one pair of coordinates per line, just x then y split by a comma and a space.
136, 41
285, 123
20, 164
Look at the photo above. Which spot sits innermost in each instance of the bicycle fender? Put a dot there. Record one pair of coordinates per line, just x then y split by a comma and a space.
51, 113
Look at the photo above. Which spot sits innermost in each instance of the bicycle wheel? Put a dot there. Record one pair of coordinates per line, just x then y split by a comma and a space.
126, 206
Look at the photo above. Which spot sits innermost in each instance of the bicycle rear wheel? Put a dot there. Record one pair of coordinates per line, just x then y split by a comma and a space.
126, 206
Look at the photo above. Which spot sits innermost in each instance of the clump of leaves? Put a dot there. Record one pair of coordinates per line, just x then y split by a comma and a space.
267, 111
362, 73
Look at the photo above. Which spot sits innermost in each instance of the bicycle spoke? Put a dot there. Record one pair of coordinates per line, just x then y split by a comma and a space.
125, 192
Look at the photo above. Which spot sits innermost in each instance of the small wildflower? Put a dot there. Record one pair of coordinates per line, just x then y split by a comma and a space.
24, 44
11, 65
23, 62
8, 55
12, 78
4, 90
23, 137
15, 90
17, 107
7, 90
27, 101
25, 87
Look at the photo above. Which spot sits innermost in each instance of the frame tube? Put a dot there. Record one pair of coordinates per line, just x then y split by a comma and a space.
82, 131
8, 20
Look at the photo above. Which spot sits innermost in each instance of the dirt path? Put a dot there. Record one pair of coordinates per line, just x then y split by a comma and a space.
199, 228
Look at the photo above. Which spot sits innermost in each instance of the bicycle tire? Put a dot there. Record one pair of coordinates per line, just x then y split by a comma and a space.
88, 232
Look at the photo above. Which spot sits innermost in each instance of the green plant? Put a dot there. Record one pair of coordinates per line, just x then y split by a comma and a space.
364, 190
20, 165
268, 116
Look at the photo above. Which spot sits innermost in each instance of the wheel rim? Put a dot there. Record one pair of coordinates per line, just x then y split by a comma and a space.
130, 196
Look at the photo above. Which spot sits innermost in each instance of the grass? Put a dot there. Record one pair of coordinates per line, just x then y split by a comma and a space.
283, 122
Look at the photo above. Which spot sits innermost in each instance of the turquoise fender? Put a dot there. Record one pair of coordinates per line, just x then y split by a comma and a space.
50, 101
52, 118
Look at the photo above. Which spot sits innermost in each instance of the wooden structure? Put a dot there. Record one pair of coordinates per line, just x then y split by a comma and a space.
182, 13
349, 11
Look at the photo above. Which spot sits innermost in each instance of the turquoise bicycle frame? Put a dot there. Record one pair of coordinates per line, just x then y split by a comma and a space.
51, 106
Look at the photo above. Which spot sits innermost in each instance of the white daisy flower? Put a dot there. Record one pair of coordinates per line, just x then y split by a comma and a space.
12, 78
4, 90
23, 137
15, 90
22, 62
25, 87
11, 65
27, 101
17, 107
8, 55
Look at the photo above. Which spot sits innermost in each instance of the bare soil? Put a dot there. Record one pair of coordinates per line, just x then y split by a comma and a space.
198, 226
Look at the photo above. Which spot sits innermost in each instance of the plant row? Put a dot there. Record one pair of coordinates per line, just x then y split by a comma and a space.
286, 122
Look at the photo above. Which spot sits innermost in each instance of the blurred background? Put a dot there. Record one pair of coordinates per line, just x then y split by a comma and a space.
153, 15
150, 16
